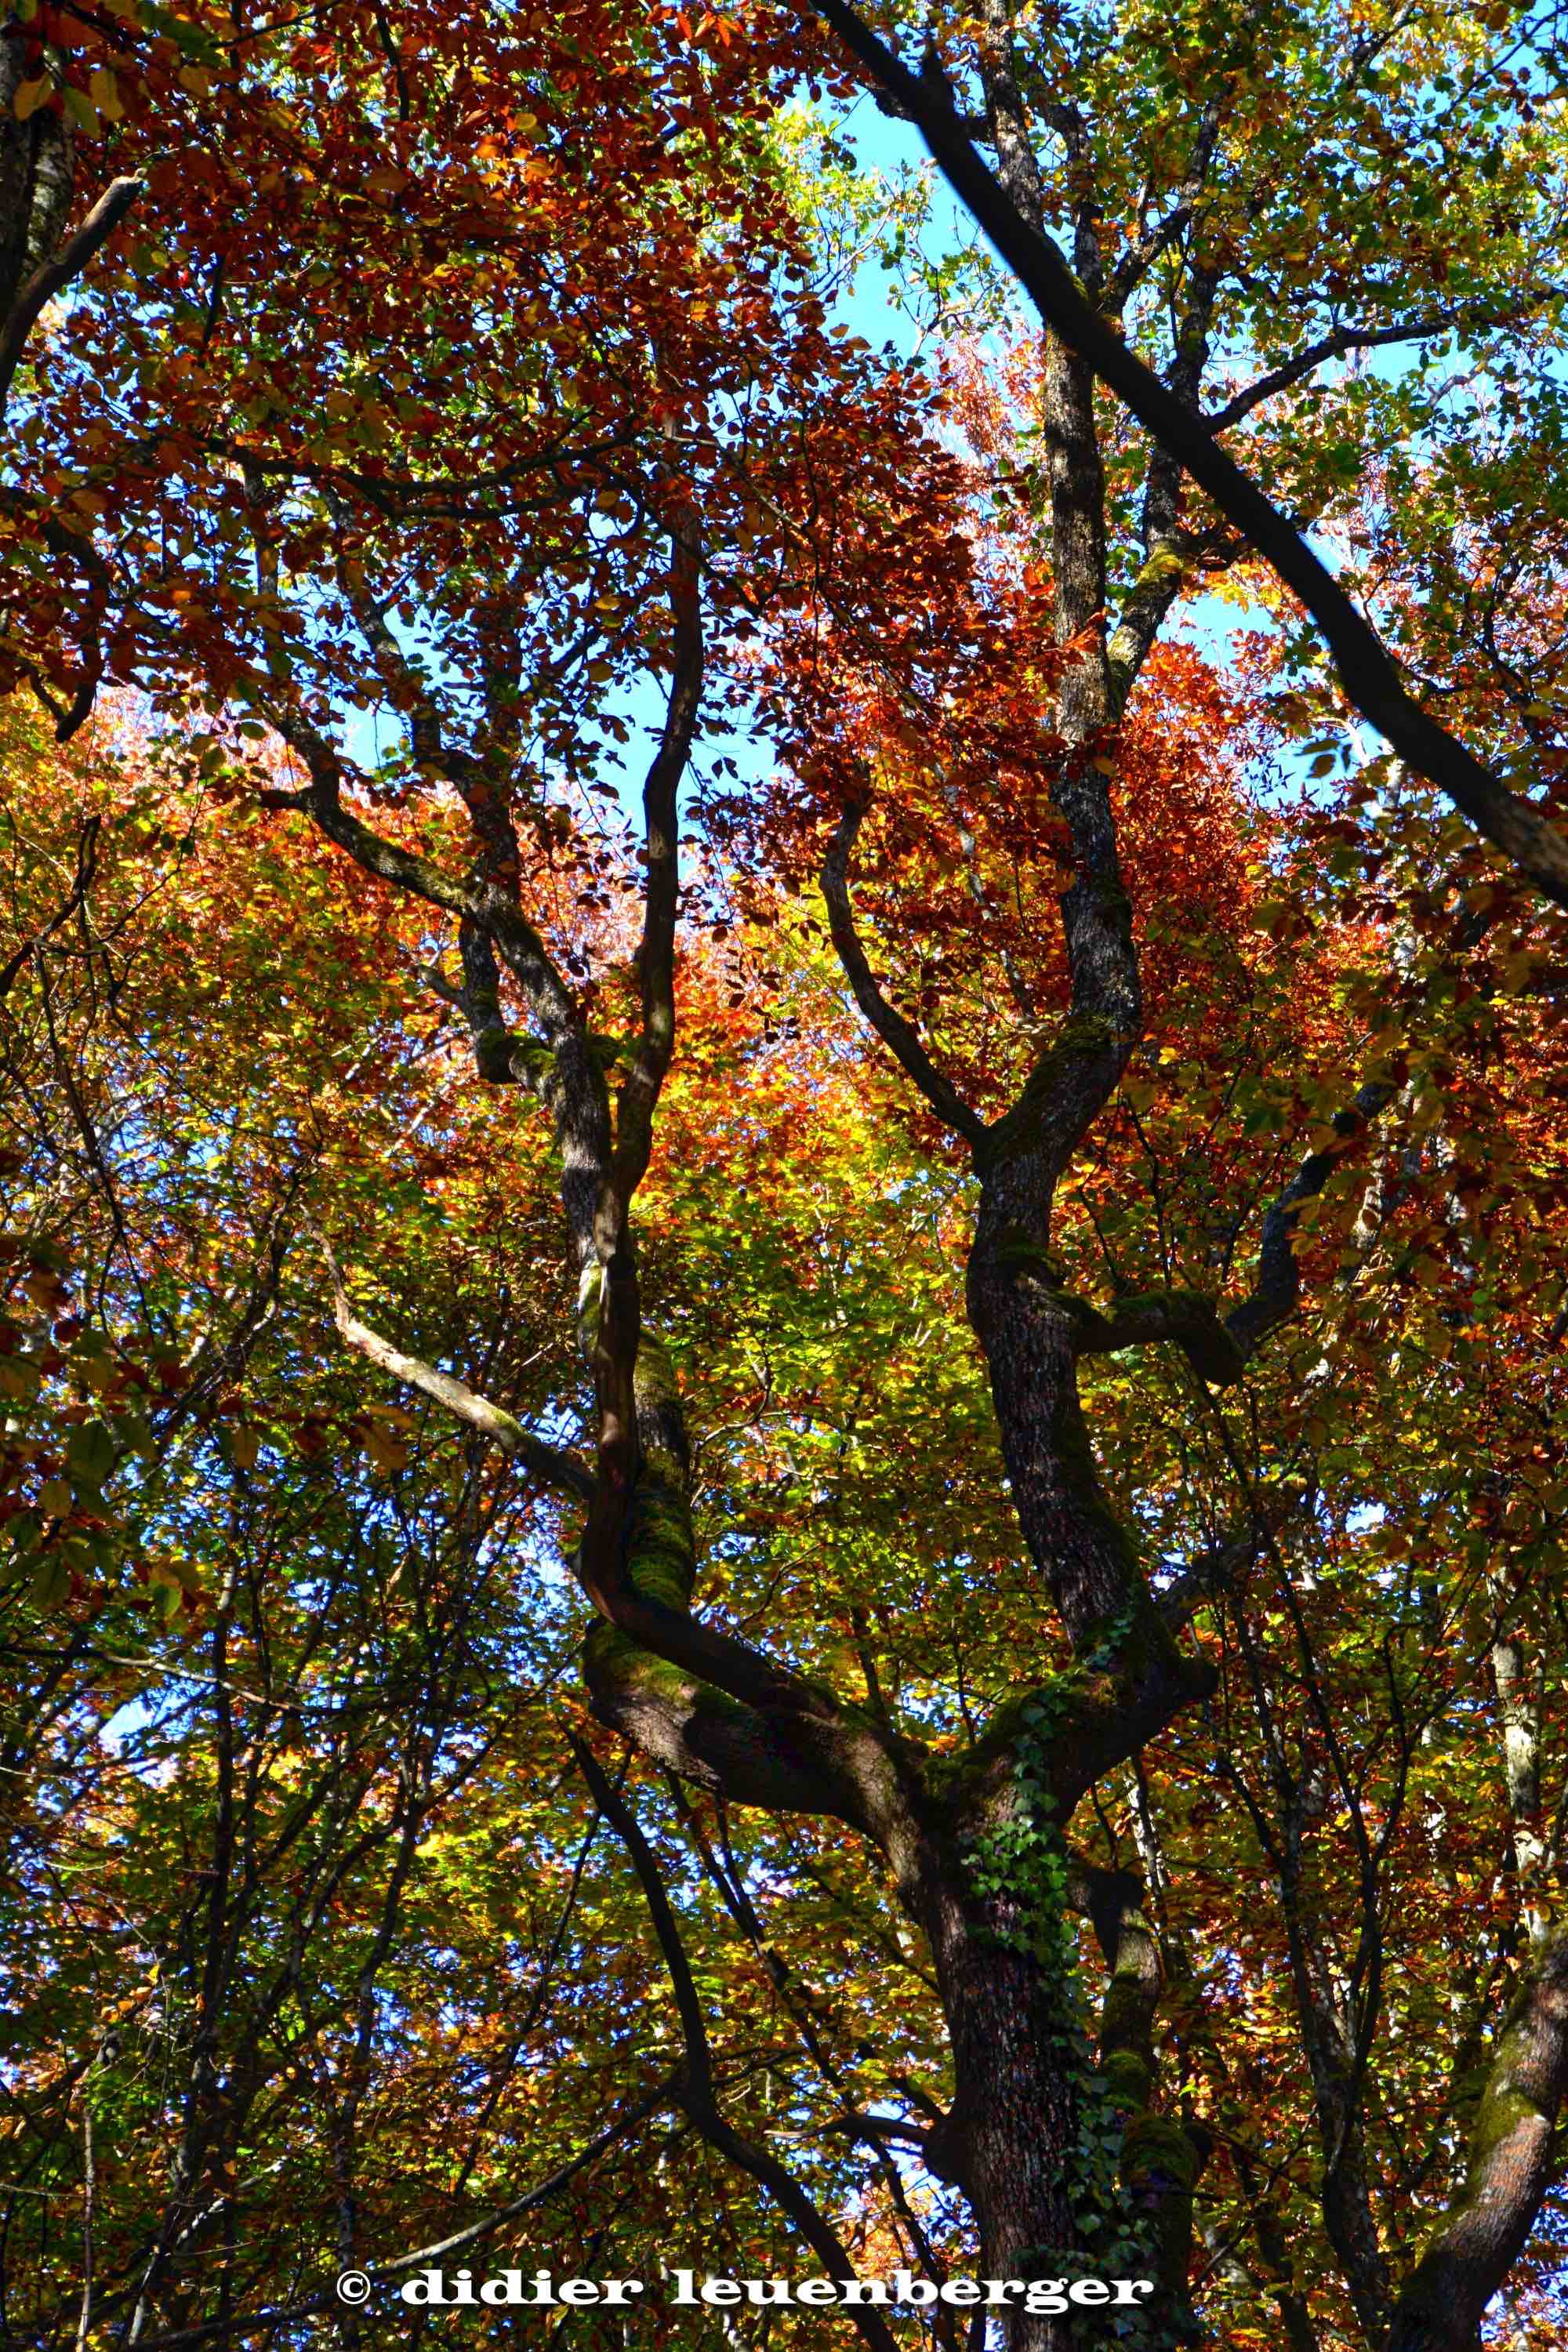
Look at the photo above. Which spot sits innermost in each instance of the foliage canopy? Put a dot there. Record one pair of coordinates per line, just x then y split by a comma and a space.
783, 1338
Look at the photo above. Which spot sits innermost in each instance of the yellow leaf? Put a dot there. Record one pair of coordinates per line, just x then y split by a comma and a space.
105, 95
31, 95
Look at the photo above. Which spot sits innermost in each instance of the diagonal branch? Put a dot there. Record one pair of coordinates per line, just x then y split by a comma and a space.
493, 910
321, 799
1335, 346
52, 278
1512, 2156
85, 866
876, 2131
726, 1716
1213, 1574
267, 2322
548, 1463
1367, 669
891, 1027
1141, 254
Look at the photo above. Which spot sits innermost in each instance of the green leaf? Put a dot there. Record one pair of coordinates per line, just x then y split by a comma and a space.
90, 1450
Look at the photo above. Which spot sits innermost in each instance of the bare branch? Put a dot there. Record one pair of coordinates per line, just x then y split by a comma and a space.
86, 865
881, 2130
696, 2089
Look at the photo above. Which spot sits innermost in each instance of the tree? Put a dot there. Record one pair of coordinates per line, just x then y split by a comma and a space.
1190, 1079
1216, 105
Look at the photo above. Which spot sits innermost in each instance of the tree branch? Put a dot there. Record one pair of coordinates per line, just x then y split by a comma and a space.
51, 277
488, 911
1485, 2230
1335, 346
1279, 1282
85, 866
269, 2321
639, 1092
1141, 256
1185, 1317
1214, 1573
548, 1463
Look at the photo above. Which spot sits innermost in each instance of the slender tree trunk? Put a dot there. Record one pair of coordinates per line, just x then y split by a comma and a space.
1521, 1694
